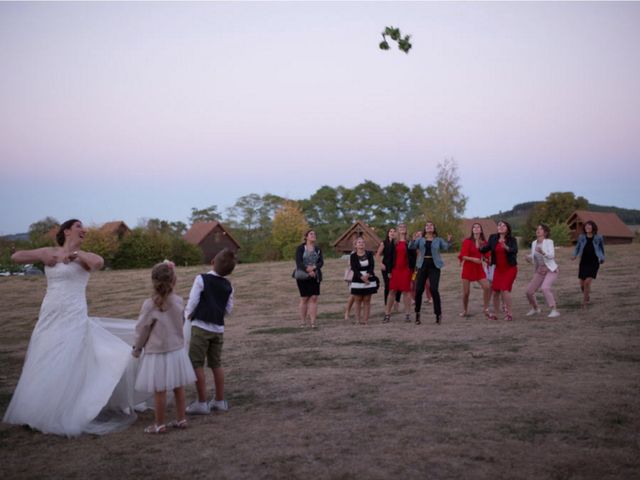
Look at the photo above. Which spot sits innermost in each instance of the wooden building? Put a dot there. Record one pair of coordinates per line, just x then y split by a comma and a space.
489, 226
117, 228
344, 243
210, 237
610, 226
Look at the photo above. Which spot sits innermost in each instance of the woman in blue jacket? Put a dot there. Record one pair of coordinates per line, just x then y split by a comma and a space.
590, 249
429, 262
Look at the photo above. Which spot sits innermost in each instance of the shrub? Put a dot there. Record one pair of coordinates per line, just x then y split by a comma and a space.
184, 254
142, 249
101, 243
561, 234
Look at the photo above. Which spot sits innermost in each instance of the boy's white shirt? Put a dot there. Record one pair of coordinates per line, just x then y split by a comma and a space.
194, 299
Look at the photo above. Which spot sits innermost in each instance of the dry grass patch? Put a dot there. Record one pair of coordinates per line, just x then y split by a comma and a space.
534, 398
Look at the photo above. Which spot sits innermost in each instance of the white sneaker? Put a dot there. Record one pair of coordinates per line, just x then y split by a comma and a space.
219, 405
198, 408
533, 311
554, 313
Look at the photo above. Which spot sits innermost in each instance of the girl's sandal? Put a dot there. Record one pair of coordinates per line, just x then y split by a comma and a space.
508, 317
490, 315
155, 429
181, 424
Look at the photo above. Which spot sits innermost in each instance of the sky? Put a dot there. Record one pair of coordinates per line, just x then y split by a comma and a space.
126, 111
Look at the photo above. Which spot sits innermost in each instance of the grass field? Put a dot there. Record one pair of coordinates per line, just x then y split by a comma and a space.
531, 399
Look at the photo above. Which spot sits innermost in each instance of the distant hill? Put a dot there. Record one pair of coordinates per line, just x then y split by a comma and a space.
15, 237
517, 216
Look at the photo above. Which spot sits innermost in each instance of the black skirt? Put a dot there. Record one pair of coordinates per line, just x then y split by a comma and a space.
308, 288
589, 263
588, 269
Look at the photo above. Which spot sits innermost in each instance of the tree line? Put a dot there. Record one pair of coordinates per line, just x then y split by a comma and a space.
269, 227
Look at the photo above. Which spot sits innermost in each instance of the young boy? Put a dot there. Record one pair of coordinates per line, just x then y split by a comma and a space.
211, 298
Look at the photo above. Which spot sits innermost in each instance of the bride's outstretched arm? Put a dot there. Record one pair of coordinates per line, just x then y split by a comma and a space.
46, 255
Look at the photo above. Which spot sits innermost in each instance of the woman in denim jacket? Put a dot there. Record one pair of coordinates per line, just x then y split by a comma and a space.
429, 262
590, 249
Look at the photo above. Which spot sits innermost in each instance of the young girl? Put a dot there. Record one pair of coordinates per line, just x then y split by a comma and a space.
165, 364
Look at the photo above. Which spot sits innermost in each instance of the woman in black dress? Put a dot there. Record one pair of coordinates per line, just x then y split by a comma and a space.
590, 249
309, 260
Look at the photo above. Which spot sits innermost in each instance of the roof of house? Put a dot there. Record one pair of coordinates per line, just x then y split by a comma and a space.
359, 226
199, 230
609, 224
113, 227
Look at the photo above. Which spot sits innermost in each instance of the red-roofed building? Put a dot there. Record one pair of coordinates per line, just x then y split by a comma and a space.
210, 237
610, 226
344, 243
117, 228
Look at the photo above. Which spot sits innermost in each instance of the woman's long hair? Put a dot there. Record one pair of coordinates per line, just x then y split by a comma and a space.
508, 225
387, 242
163, 278
60, 238
471, 237
424, 230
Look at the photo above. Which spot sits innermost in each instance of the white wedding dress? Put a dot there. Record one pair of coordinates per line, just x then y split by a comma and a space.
79, 373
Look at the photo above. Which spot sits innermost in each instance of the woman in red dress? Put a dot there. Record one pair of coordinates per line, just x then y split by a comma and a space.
504, 250
471, 260
400, 275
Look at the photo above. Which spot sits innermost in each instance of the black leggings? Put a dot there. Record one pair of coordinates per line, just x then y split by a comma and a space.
431, 272
385, 278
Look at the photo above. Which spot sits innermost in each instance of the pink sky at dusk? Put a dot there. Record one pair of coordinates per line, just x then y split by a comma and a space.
132, 110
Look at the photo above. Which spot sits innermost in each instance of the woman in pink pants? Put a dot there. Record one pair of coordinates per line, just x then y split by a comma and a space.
545, 271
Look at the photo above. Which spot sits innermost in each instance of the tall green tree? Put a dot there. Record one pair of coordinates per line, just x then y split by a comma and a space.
209, 214
250, 219
445, 203
322, 212
557, 208
38, 232
289, 225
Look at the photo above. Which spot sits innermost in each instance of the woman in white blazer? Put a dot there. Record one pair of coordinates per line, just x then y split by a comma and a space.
545, 271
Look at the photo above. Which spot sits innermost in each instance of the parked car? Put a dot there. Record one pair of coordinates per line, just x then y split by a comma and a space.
32, 270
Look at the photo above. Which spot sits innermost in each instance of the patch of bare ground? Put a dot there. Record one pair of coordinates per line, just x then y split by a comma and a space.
534, 398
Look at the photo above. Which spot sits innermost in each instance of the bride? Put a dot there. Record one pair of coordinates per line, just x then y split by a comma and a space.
78, 374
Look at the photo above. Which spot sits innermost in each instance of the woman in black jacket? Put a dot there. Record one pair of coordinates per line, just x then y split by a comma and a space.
385, 256
504, 251
309, 260
364, 283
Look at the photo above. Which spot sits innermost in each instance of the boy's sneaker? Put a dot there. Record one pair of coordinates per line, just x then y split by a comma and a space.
534, 311
554, 313
198, 408
218, 405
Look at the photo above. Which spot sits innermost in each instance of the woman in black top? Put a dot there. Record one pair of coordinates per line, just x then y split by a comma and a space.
364, 282
384, 256
309, 259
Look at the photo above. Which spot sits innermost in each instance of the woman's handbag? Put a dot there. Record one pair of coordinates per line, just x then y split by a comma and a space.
300, 274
